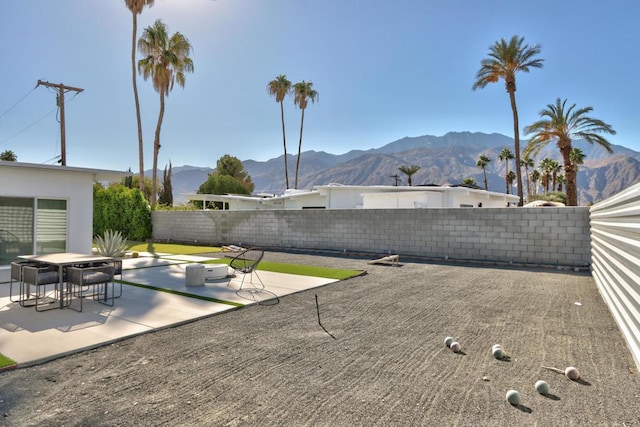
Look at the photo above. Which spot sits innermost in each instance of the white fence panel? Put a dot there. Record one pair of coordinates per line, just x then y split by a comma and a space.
615, 255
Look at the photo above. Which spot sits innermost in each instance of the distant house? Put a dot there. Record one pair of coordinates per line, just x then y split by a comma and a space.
337, 196
46, 209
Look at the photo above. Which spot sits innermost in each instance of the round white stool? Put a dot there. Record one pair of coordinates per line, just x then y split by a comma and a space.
215, 271
194, 274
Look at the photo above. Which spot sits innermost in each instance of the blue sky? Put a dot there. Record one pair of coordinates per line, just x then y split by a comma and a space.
383, 70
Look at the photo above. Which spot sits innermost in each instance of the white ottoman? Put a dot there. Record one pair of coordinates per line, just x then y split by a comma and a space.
215, 271
194, 274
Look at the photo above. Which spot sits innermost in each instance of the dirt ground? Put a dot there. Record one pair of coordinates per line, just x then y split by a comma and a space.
376, 358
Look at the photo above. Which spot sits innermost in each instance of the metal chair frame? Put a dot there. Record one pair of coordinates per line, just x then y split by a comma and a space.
246, 262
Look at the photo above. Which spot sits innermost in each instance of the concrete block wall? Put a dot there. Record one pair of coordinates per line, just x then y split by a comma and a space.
537, 236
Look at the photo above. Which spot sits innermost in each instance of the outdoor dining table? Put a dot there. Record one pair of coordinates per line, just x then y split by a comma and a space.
62, 260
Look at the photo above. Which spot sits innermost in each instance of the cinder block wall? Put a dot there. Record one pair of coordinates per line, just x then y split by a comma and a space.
538, 236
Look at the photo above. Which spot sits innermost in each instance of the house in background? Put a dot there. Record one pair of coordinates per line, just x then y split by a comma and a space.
337, 196
47, 209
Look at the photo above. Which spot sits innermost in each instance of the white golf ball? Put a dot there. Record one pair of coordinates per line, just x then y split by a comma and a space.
572, 373
513, 397
455, 346
542, 387
448, 341
498, 353
496, 346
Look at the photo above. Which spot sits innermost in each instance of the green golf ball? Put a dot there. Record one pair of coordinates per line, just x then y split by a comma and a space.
542, 387
498, 353
513, 397
448, 341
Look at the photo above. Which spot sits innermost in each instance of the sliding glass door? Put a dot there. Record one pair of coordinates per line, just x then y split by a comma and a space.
31, 226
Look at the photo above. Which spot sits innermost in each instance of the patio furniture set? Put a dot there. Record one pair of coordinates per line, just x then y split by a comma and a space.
52, 281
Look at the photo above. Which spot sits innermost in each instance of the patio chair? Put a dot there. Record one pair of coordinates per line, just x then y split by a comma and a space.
246, 262
92, 281
40, 278
16, 276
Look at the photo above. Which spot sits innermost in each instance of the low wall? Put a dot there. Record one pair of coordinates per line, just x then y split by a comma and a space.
536, 236
615, 243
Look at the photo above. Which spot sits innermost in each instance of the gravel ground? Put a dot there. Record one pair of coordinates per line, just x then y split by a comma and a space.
376, 358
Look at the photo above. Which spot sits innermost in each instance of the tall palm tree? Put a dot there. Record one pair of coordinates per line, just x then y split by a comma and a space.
482, 163
136, 7
556, 168
504, 156
510, 177
303, 92
546, 166
409, 171
506, 58
534, 177
527, 163
561, 125
166, 60
281, 87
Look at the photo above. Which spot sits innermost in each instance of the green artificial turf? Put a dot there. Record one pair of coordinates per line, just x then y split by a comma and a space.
5, 361
302, 270
171, 248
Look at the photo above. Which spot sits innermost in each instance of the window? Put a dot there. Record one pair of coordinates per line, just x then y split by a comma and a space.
16, 228
51, 226
22, 217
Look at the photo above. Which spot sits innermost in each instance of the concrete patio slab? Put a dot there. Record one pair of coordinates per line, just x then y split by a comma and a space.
29, 337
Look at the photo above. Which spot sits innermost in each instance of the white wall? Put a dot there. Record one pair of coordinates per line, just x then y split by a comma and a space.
75, 187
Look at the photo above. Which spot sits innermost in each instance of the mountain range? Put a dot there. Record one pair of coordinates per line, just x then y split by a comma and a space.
443, 160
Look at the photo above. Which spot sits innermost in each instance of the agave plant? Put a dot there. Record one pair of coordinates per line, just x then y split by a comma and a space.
111, 244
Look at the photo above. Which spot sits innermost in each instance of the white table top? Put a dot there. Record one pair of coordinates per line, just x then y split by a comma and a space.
66, 258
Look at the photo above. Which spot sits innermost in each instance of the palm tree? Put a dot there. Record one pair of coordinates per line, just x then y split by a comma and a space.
510, 177
504, 156
577, 157
281, 87
535, 177
136, 6
560, 180
546, 166
482, 163
469, 182
527, 162
166, 61
561, 125
409, 171
302, 93
555, 170
506, 58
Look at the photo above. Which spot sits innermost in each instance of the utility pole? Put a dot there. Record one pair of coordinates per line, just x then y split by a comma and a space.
60, 102
396, 178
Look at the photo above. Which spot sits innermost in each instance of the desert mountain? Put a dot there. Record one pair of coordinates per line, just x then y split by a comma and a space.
443, 160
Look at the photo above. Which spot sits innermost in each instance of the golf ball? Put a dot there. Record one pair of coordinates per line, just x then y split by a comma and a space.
498, 353
542, 387
455, 346
572, 373
513, 397
448, 341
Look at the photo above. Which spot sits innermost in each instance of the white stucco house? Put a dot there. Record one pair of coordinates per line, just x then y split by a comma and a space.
337, 196
46, 209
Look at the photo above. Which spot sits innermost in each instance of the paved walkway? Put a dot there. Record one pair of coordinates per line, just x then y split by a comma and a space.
30, 337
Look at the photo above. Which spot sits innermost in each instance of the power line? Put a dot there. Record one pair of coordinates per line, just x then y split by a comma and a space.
19, 101
28, 127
